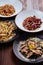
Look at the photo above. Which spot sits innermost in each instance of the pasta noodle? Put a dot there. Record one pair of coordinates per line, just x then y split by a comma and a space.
7, 10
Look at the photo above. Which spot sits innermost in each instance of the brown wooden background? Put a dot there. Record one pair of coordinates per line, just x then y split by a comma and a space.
6, 54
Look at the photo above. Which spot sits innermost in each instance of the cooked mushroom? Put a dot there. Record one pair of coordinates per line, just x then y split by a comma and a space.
41, 44
24, 50
38, 52
29, 54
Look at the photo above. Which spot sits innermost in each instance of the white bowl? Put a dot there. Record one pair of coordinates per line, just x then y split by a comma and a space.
23, 15
15, 3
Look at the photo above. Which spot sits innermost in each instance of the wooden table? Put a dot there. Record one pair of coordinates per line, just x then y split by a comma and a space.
6, 53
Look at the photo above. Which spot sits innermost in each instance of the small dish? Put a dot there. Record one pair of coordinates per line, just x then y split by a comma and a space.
15, 3
25, 14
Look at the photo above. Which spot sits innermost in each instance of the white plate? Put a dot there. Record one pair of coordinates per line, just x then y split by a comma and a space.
23, 15
15, 3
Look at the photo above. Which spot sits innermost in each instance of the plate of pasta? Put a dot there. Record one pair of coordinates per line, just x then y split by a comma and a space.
9, 8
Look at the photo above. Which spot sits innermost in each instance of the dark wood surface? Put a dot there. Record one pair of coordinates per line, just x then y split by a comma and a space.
6, 53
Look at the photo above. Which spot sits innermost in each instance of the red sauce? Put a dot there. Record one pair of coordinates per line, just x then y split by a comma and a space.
32, 23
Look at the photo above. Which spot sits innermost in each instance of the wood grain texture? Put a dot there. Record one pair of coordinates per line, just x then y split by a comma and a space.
6, 54
32, 4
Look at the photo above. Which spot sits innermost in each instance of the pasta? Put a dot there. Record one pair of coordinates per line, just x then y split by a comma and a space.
7, 10
6, 30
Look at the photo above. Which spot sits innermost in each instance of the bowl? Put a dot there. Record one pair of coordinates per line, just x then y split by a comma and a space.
13, 37
15, 3
24, 14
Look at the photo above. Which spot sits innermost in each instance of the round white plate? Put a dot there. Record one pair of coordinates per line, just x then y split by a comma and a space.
15, 3
23, 15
